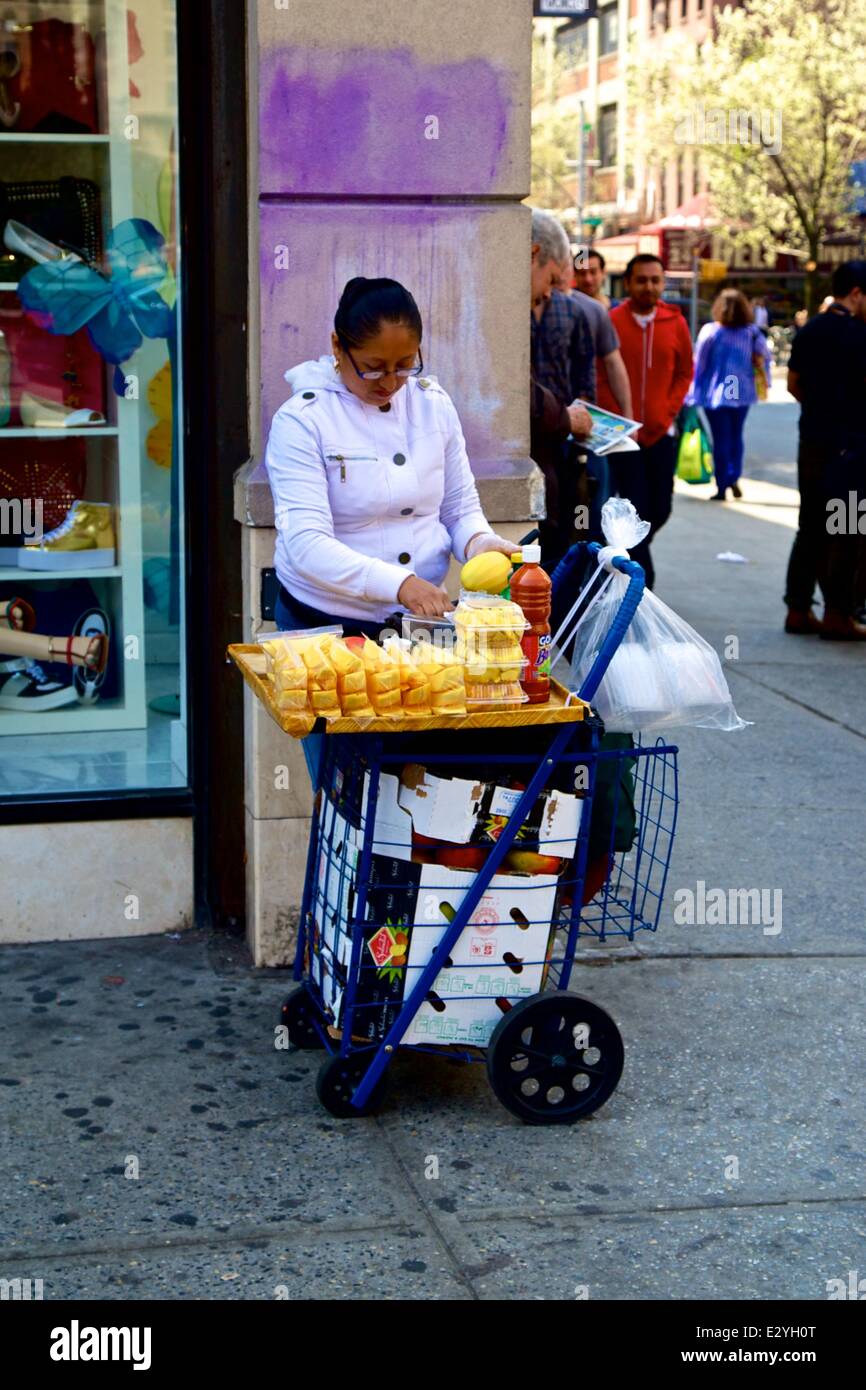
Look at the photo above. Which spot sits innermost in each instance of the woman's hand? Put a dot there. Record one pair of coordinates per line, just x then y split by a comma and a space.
485, 541
424, 599
580, 420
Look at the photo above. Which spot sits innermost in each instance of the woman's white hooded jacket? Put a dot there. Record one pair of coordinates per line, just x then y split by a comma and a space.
364, 497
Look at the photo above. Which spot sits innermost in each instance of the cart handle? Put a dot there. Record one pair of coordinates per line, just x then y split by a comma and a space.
626, 612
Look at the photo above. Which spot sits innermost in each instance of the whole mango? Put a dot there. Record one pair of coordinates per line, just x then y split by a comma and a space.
486, 573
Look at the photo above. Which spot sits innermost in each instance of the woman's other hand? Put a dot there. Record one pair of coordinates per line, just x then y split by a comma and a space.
580, 421
485, 541
424, 599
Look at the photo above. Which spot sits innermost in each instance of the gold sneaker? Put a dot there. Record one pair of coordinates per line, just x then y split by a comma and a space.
83, 540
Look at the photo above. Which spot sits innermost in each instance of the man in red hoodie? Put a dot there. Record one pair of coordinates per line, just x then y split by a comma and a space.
656, 348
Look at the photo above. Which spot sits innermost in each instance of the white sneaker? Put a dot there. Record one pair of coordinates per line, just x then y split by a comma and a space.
25, 686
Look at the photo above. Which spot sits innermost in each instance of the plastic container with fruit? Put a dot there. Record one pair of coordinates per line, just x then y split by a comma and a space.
489, 629
492, 695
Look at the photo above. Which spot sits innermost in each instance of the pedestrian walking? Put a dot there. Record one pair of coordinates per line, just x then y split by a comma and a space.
608, 358
562, 348
732, 358
589, 273
827, 375
657, 352
761, 314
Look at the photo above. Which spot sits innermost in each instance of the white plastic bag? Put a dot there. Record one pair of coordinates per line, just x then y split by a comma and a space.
663, 674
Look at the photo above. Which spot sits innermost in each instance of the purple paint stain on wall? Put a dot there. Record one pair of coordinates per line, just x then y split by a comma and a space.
438, 252
354, 122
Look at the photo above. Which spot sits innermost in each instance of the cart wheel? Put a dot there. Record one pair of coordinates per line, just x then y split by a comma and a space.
554, 1058
338, 1079
299, 1014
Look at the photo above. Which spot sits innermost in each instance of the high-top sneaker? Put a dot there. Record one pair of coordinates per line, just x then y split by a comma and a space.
83, 540
25, 686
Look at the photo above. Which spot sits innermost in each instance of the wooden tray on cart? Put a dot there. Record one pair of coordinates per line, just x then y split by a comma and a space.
252, 664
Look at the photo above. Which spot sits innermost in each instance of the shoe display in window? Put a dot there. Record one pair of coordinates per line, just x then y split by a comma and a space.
25, 242
17, 614
25, 686
83, 540
88, 680
38, 413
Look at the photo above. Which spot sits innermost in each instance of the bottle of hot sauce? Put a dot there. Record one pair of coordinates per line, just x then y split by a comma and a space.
532, 590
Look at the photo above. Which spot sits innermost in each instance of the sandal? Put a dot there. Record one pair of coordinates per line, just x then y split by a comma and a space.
91, 652
17, 614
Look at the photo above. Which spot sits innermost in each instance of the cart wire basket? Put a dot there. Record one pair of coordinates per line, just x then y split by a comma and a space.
450, 878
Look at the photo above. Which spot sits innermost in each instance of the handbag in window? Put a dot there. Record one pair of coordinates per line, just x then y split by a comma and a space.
64, 211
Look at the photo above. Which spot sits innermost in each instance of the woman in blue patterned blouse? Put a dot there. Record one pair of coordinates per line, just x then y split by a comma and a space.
730, 352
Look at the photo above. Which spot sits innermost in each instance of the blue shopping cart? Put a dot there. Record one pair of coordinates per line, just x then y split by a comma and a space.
464, 942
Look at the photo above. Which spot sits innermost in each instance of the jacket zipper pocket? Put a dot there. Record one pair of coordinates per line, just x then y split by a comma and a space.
343, 459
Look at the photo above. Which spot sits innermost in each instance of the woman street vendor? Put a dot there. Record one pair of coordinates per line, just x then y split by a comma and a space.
367, 464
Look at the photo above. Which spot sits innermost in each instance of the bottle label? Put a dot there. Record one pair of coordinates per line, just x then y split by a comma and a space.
537, 652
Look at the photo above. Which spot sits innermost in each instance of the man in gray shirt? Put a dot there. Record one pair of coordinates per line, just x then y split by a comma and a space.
604, 338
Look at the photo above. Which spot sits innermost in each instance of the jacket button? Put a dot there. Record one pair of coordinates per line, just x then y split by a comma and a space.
399, 458
407, 511
404, 558
309, 396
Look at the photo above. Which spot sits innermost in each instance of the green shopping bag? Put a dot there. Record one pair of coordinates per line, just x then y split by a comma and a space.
694, 456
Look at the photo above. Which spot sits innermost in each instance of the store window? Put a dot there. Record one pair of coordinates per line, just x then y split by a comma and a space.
607, 145
92, 677
608, 30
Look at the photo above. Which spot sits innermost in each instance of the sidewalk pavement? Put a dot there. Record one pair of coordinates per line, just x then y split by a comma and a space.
728, 1164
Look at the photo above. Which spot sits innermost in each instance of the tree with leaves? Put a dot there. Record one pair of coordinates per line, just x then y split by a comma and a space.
773, 103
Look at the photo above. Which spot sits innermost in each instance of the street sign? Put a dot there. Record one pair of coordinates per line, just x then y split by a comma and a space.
564, 9
592, 221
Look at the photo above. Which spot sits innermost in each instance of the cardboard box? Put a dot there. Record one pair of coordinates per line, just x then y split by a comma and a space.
498, 957
470, 812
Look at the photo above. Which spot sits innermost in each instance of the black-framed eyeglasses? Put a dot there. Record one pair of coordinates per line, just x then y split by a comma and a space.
377, 376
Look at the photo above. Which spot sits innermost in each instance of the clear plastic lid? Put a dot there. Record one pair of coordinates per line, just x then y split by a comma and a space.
489, 611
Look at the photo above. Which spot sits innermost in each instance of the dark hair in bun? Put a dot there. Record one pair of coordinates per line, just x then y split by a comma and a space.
366, 304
